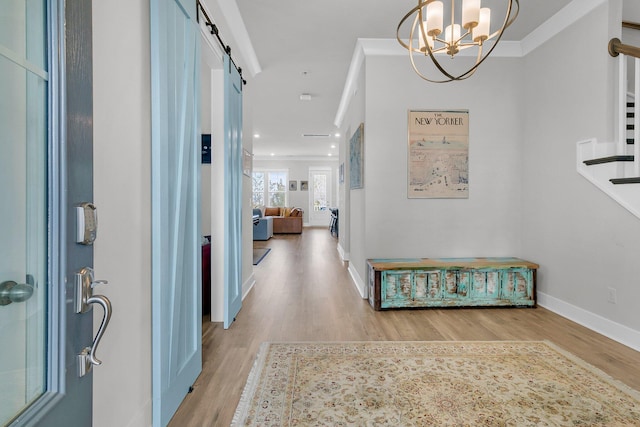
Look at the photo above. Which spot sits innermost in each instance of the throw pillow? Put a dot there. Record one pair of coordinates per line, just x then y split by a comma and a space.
271, 211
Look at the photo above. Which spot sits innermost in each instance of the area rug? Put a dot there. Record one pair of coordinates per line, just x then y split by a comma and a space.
259, 254
457, 383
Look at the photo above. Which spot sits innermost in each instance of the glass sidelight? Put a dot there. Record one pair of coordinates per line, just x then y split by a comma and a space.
23, 204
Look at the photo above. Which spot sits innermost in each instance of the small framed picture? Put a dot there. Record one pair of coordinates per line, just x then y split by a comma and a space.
293, 185
247, 162
304, 185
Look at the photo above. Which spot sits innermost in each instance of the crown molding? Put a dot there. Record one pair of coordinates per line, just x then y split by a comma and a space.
565, 17
391, 47
351, 84
506, 49
231, 15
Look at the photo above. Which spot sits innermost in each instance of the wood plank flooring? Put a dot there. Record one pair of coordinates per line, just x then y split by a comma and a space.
303, 292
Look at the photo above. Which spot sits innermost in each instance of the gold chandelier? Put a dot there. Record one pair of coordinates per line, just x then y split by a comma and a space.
427, 37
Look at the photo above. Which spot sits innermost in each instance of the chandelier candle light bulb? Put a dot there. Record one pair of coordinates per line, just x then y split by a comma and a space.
421, 39
470, 13
434, 18
481, 32
452, 36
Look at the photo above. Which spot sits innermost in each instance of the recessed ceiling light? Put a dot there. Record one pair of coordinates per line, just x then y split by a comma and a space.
337, 134
305, 97
273, 154
256, 135
333, 145
329, 154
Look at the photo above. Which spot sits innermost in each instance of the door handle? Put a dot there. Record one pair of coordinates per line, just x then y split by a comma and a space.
84, 302
11, 291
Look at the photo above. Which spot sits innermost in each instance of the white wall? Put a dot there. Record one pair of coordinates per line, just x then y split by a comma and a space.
384, 222
205, 128
122, 192
584, 241
352, 216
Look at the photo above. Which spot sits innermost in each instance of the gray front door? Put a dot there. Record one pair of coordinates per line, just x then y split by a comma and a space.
45, 172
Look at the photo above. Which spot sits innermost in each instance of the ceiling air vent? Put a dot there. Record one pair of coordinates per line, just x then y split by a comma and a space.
316, 135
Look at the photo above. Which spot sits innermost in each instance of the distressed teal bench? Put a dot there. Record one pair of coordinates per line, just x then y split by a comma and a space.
451, 282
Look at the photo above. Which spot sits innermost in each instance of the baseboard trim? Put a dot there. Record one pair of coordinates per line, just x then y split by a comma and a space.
608, 328
248, 285
344, 256
142, 417
246, 288
358, 282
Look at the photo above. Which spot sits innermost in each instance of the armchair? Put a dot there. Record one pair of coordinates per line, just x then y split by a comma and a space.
263, 227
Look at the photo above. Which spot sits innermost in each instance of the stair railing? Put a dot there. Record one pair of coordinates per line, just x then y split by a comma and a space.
621, 50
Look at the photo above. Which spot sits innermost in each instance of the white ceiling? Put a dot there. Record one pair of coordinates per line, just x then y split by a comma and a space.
306, 46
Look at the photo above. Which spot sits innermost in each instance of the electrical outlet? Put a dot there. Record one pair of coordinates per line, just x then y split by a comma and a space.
612, 296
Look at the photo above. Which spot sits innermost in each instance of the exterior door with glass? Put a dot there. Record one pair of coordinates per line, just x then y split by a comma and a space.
320, 197
45, 170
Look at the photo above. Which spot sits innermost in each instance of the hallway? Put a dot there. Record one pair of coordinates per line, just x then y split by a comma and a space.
303, 292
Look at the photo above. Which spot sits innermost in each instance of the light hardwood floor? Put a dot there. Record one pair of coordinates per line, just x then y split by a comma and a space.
303, 292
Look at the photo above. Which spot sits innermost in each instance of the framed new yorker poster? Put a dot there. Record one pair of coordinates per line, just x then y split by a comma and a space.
438, 154
356, 167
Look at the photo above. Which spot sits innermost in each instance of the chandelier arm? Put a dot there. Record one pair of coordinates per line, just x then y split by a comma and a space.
506, 19
415, 68
413, 64
473, 69
440, 67
422, 76
402, 21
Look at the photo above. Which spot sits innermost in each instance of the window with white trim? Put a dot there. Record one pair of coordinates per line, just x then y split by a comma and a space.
270, 188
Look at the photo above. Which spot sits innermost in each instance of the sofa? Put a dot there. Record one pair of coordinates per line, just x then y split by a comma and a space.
262, 227
285, 220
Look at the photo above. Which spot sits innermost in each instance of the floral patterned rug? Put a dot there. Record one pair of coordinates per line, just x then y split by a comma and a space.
506, 383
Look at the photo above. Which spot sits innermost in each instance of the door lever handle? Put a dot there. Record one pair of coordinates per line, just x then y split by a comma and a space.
106, 305
84, 301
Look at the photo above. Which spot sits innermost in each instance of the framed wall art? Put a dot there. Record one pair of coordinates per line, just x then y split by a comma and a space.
304, 185
247, 162
356, 159
293, 185
438, 154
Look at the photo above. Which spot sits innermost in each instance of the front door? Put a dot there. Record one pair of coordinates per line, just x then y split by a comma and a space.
45, 171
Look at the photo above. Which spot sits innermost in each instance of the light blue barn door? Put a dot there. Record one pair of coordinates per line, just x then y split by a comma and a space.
232, 191
175, 186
